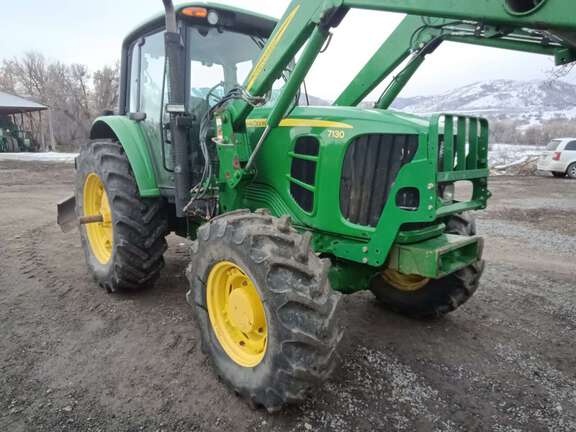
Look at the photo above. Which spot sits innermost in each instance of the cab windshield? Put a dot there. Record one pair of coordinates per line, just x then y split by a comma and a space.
219, 61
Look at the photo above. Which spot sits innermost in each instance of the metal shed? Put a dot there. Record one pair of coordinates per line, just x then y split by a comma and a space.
14, 111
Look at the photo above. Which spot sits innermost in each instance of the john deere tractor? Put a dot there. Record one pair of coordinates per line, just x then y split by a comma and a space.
288, 205
12, 137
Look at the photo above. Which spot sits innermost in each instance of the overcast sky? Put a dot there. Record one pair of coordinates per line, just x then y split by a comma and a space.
91, 32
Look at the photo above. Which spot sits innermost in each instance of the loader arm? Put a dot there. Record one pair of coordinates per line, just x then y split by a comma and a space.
418, 36
304, 22
538, 14
541, 26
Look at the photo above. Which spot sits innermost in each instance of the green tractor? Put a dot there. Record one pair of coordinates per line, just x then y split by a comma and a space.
289, 205
13, 139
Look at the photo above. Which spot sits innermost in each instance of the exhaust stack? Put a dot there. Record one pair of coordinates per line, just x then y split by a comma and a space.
176, 108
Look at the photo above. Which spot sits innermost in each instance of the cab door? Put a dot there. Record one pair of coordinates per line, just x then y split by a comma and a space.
148, 95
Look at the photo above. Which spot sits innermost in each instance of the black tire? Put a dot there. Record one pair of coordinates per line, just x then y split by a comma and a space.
571, 171
12, 145
559, 174
439, 296
139, 224
300, 306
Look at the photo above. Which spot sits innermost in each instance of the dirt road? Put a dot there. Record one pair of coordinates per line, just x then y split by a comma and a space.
73, 358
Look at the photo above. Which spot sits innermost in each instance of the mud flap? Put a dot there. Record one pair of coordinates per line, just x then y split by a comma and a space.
67, 219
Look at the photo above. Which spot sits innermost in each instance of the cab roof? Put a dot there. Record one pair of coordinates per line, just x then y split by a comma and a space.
158, 20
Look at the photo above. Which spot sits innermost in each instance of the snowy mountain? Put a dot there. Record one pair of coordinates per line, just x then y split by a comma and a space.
530, 101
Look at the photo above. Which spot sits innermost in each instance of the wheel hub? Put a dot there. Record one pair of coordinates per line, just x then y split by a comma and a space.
404, 282
236, 314
241, 308
95, 203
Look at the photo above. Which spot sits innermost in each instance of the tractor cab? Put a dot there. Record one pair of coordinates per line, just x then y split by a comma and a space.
220, 45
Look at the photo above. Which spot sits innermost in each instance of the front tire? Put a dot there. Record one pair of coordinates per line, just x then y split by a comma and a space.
125, 251
431, 298
280, 339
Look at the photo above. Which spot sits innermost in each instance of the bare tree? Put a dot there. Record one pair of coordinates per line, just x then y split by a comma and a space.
106, 88
32, 74
8, 76
74, 95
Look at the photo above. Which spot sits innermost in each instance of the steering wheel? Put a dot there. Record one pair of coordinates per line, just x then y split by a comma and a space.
211, 95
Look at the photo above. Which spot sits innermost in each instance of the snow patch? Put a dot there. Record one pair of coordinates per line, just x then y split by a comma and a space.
534, 101
505, 158
39, 157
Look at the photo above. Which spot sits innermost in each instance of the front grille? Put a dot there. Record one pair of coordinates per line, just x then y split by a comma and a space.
371, 165
303, 172
460, 144
463, 145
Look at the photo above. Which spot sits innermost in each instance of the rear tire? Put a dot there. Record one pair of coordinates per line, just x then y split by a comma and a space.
571, 171
139, 225
301, 319
559, 174
437, 297
12, 145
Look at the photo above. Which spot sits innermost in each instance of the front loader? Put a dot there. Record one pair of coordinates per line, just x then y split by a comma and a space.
289, 205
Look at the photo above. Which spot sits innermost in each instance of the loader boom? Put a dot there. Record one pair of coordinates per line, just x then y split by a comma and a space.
418, 36
538, 26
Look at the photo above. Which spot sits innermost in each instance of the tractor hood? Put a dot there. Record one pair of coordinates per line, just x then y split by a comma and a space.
357, 120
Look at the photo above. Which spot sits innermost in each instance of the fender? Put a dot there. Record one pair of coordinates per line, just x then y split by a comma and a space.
130, 135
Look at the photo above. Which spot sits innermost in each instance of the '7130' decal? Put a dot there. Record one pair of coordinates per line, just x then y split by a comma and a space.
336, 134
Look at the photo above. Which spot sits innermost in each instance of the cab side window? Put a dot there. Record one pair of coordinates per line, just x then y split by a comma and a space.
147, 61
152, 62
134, 77
147, 92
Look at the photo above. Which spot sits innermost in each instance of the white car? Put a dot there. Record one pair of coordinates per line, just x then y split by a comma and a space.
559, 158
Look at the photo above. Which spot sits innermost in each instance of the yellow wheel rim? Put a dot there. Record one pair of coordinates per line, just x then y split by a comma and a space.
100, 234
236, 314
404, 282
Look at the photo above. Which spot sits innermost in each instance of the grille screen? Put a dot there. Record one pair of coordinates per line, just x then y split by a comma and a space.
303, 170
371, 165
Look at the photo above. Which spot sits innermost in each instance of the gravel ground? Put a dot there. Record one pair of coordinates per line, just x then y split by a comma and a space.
73, 358
531, 237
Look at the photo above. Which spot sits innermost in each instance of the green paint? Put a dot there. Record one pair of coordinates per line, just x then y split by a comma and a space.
435, 258
130, 134
332, 233
348, 277
551, 14
418, 235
